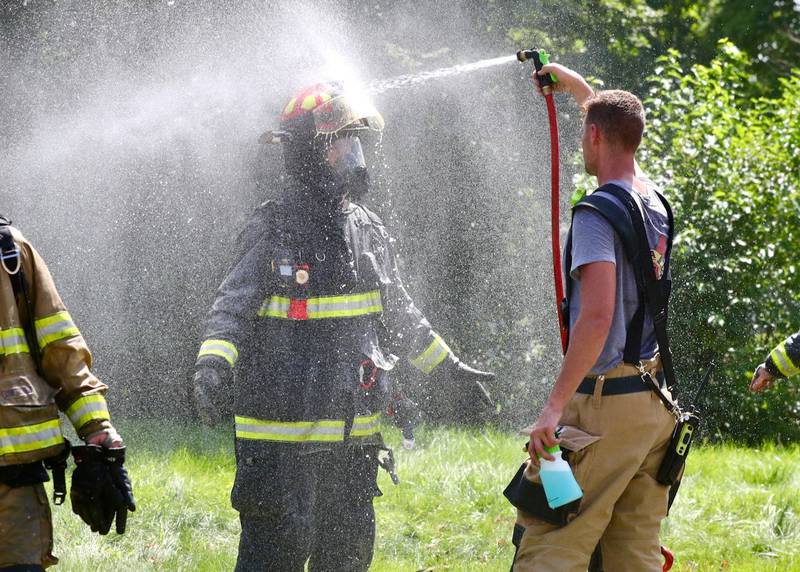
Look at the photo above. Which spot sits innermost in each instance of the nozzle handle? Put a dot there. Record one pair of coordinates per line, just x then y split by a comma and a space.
540, 58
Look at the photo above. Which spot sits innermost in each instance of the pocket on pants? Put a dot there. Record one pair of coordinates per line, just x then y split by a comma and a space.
525, 491
578, 448
272, 481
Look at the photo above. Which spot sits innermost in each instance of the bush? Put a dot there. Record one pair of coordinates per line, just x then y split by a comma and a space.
729, 161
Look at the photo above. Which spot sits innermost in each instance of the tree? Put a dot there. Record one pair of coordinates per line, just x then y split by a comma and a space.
730, 162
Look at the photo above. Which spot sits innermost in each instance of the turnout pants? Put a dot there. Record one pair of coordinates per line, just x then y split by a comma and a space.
300, 503
26, 531
623, 505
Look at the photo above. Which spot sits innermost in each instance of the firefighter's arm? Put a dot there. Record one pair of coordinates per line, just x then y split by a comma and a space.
65, 360
421, 345
235, 308
783, 361
412, 334
588, 336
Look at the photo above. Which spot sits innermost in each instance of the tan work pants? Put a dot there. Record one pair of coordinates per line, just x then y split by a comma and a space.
26, 531
623, 505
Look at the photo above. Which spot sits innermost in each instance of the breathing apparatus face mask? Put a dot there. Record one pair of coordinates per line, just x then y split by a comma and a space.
345, 157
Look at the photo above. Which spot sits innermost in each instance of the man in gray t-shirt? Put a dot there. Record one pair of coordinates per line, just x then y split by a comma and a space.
614, 427
594, 240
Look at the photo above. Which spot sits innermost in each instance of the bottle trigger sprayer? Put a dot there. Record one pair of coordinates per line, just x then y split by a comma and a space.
559, 483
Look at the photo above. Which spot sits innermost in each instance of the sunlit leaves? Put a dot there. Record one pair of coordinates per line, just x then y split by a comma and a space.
727, 158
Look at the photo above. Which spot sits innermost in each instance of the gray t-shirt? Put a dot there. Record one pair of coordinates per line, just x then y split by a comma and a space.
594, 240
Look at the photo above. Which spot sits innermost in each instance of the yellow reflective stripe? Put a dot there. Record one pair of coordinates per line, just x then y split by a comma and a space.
309, 102
55, 327
433, 355
12, 341
221, 348
325, 430
274, 307
347, 306
366, 425
782, 360
30, 437
87, 408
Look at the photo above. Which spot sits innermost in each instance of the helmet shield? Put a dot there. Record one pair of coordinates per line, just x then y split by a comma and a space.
346, 159
345, 154
347, 111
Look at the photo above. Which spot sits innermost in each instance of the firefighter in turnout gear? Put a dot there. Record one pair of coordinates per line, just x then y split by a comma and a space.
782, 362
45, 369
312, 318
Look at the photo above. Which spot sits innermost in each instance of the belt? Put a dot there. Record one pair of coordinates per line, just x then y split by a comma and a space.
618, 385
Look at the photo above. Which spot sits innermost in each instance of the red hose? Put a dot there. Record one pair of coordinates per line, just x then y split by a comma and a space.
555, 230
668, 559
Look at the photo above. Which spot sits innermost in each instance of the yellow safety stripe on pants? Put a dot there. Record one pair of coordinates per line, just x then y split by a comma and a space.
55, 327
219, 348
87, 408
15, 440
13, 342
325, 430
366, 425
435, 354
348, 306
782, 360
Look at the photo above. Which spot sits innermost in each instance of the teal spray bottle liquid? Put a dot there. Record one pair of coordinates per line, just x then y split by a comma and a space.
559, 483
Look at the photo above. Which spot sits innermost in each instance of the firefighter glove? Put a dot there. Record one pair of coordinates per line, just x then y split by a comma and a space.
473, 395
101, 489
212, 394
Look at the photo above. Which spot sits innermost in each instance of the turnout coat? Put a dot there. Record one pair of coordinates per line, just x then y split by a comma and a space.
312, 316
31, 397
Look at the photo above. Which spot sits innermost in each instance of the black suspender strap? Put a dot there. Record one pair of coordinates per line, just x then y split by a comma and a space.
653, 291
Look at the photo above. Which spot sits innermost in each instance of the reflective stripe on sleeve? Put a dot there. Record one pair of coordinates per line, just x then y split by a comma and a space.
13, 342
324, 430
348, 306
30, 437
433, 355
365, 425
782, 360
219, 348
87, 408
55, 327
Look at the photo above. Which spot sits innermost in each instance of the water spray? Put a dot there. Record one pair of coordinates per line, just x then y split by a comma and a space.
540, 59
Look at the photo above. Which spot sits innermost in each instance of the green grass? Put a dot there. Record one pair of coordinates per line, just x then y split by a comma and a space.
737, 511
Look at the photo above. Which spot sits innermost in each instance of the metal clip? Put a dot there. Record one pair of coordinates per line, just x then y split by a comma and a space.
652, 383
11, 254
387, 464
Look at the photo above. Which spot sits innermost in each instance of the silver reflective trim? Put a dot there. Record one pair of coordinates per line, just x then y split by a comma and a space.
12, 441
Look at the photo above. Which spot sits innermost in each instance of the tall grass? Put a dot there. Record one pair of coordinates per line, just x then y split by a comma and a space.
737, 510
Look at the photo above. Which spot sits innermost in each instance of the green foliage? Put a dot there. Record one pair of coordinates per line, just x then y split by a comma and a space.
623, 39
730, 162
737, 510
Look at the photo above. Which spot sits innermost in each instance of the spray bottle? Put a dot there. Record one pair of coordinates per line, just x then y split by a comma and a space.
559, 483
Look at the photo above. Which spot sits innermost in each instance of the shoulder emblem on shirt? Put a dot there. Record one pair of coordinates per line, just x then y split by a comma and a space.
659, 256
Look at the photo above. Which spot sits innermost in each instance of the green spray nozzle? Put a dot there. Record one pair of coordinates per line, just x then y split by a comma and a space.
540, 58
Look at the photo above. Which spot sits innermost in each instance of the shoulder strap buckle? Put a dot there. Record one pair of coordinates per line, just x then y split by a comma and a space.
11, 254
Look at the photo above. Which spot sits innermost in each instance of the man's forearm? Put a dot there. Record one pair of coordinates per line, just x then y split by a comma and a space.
582, 91
586, 342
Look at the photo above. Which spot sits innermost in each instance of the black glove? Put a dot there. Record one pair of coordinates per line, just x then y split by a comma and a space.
101, 488
212, 394
472, 397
